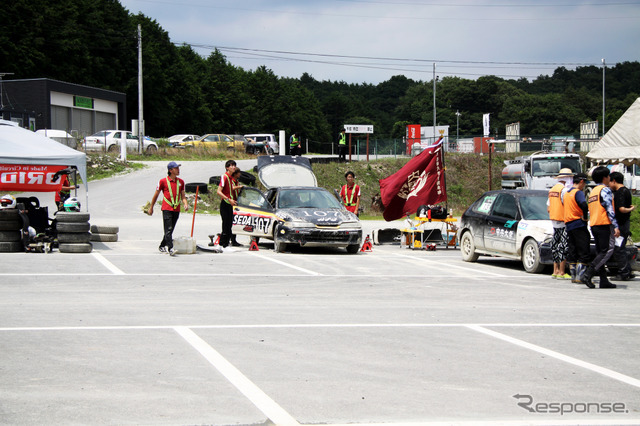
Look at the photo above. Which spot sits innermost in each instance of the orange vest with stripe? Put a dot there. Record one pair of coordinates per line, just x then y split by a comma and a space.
597, 213
572, 210
556, 209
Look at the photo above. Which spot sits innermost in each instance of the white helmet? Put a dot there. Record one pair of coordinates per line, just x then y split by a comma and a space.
72, 205
7, 202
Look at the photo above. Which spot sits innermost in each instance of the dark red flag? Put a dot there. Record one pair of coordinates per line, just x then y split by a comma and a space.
420, 181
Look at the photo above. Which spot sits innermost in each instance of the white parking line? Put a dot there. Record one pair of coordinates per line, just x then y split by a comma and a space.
595, 368
261, 400
289, 265
448, 265
110, 266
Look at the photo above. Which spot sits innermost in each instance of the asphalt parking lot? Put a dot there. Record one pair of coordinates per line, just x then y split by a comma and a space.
127, 335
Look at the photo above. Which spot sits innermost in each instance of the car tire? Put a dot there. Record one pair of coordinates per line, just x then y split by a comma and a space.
353, 248
10, 225
75, 247
11, 247
9, 214
71, 227
10, 236
200, 186
278, 245
531, 257
214, 180
152, 149
270, 151
247, 178
105, 238
72, 217
113, 148
103, 229
73, 237
468, 247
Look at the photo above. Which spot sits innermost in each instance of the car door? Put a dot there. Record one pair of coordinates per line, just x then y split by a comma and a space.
254, 215
501, 224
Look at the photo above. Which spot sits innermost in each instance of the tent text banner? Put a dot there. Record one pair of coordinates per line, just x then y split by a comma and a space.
29, 178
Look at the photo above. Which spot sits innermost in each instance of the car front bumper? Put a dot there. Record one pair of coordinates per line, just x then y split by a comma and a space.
313, 237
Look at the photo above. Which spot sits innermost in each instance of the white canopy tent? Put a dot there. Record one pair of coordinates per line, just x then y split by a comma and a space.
24, 147
621, 144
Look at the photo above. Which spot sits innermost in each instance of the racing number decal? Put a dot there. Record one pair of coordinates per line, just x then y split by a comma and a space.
252, 223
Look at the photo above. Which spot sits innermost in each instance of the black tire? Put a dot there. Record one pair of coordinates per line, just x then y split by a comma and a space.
247, 178
73, 227
10, 236
152, 149
105, 238
78, 237
270, 151
114, 148
11, 247
278, 245
10, 225
214, 180
531, 257
72, 217
191, 187
75, 247
353, 248
104, 229
468, 247
9, 214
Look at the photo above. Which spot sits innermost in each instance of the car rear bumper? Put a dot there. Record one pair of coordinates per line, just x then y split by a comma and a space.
320, 237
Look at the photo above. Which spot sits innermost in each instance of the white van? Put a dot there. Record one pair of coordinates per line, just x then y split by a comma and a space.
263, 141
59, 136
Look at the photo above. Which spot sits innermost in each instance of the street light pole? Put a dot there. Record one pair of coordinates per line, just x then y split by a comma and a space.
434, 103
604, 66
457, 127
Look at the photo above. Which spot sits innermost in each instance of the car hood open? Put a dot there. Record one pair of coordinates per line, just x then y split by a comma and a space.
284, 170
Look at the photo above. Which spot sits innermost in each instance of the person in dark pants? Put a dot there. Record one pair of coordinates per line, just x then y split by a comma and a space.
228, 194
295, 148
604, 227
575, 214
236, 178
623, 207
172, 189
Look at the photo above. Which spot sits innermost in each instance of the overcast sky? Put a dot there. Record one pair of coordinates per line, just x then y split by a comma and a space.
369, 41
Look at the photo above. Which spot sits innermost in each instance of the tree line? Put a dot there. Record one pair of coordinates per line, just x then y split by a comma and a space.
94, 43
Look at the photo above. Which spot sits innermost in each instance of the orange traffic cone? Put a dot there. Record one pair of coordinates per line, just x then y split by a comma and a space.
253, 246
367, 246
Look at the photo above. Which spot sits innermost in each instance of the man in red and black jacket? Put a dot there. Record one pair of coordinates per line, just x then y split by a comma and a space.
227, 191
172, 189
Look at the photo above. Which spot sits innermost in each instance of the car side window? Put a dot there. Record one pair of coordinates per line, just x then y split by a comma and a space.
251, 197
116, 135
484, 204
506, 207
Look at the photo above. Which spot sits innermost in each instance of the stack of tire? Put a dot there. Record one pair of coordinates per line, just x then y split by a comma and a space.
73, 232
105, 234
10, 231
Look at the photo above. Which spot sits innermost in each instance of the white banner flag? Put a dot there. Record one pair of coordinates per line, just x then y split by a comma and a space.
485, 124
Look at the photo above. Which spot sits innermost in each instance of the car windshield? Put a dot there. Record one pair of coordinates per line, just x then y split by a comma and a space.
551, 166
307, 198
534, 207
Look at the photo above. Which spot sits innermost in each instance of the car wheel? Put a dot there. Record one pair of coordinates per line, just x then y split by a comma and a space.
270, 151
468, 247
278, 244
353, 248
214, 180
152, 149
531, 257
191, 187
114, 148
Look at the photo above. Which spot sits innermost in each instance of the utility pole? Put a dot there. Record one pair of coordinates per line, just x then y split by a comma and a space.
140, 103
457, 127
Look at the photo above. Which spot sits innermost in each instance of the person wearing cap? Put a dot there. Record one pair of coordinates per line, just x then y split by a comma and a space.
575, 219
555, 207
604, 227
172, 189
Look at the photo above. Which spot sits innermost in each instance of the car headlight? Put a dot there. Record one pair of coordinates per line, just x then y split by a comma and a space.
351, 225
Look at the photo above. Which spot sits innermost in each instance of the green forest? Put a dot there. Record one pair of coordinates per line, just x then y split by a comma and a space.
94, 43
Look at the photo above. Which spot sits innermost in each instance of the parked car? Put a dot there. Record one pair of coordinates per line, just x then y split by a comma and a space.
176, 140
263, 142
215, 140
302, 215
109, 140
59, 136
508, 223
